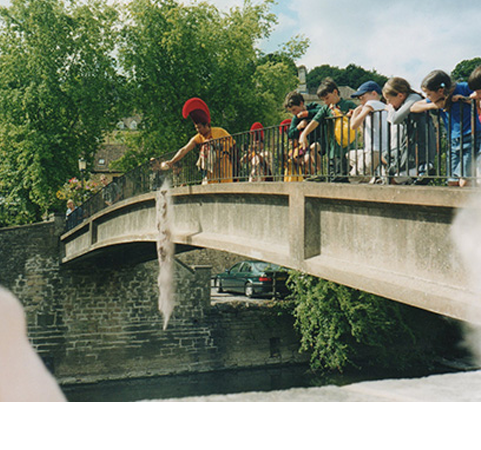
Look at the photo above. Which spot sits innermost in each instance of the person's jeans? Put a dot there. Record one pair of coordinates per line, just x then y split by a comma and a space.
462, 158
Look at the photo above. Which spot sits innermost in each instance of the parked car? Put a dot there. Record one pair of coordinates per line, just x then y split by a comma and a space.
254, 278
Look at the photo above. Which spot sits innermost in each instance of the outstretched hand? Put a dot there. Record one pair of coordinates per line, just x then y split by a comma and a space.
166, 165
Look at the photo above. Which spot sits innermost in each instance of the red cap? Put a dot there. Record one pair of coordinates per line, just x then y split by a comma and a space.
257, 126
197, 110
284, 126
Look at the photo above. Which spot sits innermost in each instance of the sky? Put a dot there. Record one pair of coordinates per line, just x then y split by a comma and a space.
406, 38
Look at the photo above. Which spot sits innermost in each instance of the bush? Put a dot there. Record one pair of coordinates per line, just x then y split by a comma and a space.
77, 190
346, 328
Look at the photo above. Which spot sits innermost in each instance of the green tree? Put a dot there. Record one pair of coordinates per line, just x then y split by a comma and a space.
171, 52
58, 91
295, 47
345, 328
352, 76
463, 69
276, 58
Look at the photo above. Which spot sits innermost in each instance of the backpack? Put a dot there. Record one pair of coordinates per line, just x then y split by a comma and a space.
342, 131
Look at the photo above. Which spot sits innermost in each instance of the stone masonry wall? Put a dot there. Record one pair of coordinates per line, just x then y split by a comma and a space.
249, 335
99, 323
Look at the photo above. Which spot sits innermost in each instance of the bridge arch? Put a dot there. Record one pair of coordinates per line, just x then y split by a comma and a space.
393, 241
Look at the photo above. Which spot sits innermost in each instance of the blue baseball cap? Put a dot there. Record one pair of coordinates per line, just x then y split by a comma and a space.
368, 86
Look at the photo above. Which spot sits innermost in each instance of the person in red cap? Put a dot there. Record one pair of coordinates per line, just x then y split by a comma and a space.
215, 145
257, 157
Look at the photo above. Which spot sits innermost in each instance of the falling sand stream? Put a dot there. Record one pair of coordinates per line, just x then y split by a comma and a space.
165, 252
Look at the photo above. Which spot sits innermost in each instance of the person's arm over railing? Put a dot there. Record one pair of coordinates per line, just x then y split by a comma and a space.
424, 105
397, 116
359, 114
303, 140
166, 165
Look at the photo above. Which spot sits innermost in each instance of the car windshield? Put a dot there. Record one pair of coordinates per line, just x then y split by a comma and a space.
262, 266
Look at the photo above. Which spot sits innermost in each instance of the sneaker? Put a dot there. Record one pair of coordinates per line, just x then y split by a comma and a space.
316, 178
379, 180
421, 181
339, 179
425, 172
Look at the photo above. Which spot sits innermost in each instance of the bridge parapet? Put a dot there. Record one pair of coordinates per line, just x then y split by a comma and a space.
414, 152
391, 241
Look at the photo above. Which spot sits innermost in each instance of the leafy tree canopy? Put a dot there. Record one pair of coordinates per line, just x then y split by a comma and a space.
463, 69
352, 76
58, 91
171, 52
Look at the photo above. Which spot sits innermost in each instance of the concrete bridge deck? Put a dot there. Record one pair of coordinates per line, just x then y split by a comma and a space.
393, 241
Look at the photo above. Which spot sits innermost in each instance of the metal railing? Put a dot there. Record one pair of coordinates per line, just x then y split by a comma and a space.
417, 151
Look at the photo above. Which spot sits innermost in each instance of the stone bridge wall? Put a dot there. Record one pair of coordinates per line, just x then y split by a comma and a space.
92, 323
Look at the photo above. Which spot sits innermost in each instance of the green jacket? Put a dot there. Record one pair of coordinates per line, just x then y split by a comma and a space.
312, 110
327, 137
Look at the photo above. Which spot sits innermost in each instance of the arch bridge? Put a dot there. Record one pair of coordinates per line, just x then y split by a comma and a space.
393, 241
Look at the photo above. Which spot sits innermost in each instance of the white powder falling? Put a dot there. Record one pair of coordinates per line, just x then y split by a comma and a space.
165, 252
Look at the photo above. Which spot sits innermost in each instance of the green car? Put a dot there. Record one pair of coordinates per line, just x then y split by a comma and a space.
254, 278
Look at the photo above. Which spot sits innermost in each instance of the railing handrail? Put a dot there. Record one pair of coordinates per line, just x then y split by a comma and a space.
417, 151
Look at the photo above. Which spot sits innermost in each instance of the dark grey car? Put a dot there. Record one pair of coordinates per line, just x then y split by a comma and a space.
254, 278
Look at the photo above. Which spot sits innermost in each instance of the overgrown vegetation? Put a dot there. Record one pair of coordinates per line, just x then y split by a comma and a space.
59, 93
77, 190
343, 328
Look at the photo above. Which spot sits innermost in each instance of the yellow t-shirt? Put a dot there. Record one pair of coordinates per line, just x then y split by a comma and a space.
215, 133
215, 159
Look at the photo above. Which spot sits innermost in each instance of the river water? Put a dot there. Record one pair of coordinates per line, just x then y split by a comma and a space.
453, 387
286, 384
